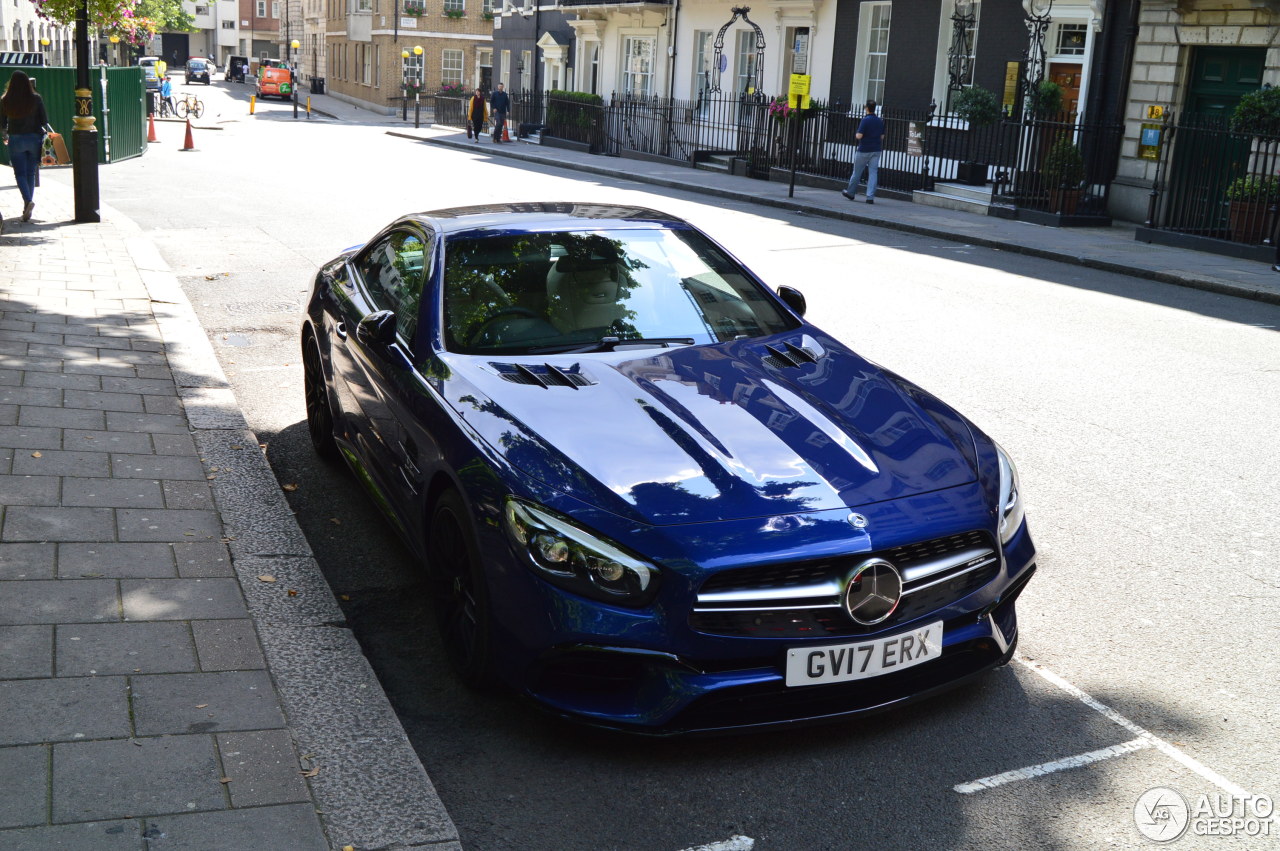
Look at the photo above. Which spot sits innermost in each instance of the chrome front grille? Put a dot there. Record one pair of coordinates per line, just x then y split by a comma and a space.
799, 600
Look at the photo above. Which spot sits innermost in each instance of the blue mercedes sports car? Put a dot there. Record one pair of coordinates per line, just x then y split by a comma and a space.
648, 494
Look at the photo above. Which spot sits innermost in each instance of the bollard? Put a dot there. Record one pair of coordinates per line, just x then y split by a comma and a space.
417, 113
253, 99
308, 107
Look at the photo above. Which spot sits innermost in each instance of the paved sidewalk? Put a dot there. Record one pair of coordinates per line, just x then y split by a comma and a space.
1112, 249
174, 671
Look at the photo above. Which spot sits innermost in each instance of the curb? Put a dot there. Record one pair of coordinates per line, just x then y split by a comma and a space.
1212, 285
371, 790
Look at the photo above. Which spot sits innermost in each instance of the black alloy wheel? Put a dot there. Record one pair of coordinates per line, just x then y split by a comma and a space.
319, 413
460, 594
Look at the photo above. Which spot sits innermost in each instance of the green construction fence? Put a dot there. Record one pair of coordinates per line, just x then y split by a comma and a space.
122, 132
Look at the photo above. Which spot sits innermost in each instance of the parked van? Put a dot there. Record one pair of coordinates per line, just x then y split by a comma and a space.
237, 69
275, 82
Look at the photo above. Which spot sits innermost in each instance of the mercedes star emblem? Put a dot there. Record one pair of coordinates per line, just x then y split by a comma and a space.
873, 592
857, 521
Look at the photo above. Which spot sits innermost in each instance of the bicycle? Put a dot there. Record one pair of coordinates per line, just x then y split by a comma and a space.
190, 105
164, 109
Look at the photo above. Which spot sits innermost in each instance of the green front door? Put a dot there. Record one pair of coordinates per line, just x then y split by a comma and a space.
1220, 76
1205, 158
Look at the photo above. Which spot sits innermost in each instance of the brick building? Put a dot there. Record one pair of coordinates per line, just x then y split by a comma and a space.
366, 41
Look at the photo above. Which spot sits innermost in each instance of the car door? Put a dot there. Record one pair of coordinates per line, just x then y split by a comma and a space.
392, 274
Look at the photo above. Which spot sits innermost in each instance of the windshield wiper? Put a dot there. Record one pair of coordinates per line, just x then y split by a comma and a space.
611, 344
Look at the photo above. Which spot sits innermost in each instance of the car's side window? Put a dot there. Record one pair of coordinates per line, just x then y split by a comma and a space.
394, 272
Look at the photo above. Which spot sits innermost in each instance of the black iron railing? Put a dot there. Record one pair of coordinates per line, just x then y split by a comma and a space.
1214, 182
1054, 164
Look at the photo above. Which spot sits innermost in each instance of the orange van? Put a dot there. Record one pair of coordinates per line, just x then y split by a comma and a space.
274, 82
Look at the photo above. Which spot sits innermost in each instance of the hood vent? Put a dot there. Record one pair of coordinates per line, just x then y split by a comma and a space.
542, 375
790, 355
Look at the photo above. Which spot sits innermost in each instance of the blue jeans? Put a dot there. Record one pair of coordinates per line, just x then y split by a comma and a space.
24, 156
870, 160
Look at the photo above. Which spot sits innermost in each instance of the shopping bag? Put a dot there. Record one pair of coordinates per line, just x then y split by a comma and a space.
468, 129
60, 149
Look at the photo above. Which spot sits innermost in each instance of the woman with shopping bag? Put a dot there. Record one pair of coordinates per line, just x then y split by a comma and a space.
22, 120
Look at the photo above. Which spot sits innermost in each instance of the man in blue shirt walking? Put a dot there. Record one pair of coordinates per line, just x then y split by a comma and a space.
870, 135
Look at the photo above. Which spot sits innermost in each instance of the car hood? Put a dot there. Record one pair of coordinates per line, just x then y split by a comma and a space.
717, 432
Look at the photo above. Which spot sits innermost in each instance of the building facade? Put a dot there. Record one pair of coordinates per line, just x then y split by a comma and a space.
375, 47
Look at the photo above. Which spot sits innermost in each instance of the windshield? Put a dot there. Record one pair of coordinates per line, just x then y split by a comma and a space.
598, 290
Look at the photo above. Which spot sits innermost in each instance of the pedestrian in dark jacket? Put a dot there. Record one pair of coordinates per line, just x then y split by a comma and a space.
22, 120
477, 112
501, 103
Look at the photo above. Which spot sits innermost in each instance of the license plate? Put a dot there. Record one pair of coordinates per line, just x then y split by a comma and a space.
838, 663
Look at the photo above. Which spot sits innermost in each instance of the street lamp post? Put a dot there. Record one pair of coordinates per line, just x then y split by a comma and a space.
293, 74
84, 137
115, 49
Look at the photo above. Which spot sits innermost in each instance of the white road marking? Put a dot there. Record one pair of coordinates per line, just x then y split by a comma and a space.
733, 843
1049, 767
1152, 740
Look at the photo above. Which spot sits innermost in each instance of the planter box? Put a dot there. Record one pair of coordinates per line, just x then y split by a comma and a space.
972, 174
1250, 221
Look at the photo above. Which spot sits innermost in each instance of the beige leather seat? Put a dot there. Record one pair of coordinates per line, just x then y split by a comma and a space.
583, 294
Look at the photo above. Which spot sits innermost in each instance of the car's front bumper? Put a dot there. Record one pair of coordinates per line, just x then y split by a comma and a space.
698, 683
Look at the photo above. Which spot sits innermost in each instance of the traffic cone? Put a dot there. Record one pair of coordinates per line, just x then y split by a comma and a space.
506, 137
151, 129
189, 144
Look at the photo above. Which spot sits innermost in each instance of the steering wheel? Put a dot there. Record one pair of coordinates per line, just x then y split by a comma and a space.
501, 314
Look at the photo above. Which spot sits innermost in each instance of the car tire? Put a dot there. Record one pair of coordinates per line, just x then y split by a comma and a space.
460, 594
319, 408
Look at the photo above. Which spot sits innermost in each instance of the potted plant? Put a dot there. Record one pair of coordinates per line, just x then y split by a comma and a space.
1257, 113
1063, 173
454, 13
1249, 200
979, 108
1045, 100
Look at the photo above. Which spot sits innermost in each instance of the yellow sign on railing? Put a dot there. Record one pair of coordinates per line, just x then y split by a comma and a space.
798, 93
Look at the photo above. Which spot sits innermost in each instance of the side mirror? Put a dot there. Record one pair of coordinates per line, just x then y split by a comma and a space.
377, 329
793, 299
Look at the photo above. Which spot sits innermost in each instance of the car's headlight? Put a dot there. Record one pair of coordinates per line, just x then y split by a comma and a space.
1011, 513
577, 560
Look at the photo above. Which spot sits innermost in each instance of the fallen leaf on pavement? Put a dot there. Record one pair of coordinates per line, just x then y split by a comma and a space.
289, 487
224, 779
201, 705
266, 578
292, 593
36, 455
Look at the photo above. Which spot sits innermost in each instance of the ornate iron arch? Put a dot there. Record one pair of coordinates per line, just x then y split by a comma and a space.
738, 12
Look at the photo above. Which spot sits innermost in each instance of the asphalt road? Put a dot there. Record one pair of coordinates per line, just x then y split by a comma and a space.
1141, 416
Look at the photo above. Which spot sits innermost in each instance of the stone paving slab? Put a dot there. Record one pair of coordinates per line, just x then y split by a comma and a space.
26, 651
90, 836
204, 703
135, 777
59, 710
22, 796
124, 648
